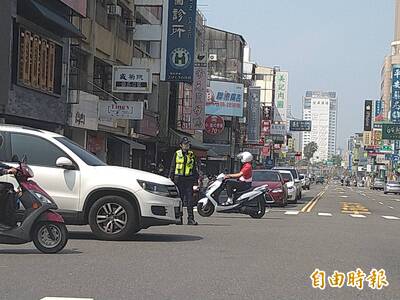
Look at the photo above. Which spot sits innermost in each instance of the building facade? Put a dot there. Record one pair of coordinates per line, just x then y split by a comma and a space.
321, 109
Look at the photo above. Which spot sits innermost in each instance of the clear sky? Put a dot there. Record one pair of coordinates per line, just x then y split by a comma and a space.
335, 45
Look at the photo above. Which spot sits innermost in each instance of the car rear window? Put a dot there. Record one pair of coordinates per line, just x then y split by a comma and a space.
266, 176
287, 176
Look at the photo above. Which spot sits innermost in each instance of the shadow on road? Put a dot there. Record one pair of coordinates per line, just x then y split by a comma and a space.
140, 237
35, 251
248, 218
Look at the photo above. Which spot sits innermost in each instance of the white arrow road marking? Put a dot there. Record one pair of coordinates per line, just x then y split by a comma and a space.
390, 218
357, 216
292, 212
325, 214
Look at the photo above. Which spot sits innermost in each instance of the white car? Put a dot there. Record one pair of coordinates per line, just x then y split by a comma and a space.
116, 202
290, 184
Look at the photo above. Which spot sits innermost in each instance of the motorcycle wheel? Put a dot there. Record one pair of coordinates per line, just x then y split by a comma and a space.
205, 210
261, 209
50, 243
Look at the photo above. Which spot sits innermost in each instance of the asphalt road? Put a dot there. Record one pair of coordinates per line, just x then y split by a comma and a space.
226, 256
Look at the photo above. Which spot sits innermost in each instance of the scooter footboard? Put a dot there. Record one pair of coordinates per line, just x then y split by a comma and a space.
51, 216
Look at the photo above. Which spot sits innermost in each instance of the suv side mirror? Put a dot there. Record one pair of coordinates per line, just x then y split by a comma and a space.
65, 163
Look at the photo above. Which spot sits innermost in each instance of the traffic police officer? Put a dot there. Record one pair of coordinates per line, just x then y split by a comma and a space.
184, 173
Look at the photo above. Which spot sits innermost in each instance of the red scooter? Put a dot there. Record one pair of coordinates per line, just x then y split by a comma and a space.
38, 222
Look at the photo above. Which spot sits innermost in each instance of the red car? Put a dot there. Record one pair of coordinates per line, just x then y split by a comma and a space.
275, 184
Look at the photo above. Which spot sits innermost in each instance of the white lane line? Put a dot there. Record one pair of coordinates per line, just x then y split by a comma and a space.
344, 196
357, 216
292, 212
390, 218
325, 214
391, 207
61, 298
380, 203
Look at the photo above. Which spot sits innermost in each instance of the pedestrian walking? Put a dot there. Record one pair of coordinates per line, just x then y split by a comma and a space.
184, 172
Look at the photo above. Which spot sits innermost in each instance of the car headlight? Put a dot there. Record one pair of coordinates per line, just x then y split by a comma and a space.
154, 188
277, 190
43, 199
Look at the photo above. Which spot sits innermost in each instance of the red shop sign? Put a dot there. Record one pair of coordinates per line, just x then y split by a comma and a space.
214, 125
265, 127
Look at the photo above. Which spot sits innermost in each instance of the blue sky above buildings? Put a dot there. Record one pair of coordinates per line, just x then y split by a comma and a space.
325, 45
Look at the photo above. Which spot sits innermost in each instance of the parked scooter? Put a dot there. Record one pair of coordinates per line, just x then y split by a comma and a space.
251, 202
39, 223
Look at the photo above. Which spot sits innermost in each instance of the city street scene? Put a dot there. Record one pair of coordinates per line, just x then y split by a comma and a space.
199, 149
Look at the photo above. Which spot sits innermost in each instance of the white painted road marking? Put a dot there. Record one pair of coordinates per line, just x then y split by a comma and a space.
380, 203
357, 216
61, 298
292, 212
344, 196
391, 207
325, 214
390, 218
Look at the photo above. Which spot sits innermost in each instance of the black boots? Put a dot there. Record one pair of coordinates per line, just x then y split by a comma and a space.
191, 221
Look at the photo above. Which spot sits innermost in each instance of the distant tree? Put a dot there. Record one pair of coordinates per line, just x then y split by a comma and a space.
310, 149
336, 160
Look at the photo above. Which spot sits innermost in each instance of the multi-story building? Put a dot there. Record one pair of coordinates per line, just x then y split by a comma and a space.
321, 109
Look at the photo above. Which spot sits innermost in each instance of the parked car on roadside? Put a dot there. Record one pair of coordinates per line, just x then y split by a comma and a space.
305, 181
296, 178
378, 184
275, 183
320, 180
392, 187
116, 202
291, 186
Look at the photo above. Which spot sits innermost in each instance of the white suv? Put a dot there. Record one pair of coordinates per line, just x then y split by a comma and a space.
116, 202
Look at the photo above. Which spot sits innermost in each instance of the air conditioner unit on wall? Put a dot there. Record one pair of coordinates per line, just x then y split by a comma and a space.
114, 10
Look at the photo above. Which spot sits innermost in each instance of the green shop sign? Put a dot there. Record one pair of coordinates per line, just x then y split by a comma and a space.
391, 131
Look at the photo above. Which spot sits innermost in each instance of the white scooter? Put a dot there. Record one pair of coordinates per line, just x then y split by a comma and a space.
250, 202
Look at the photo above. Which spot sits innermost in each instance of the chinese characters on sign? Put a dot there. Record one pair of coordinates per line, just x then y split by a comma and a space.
225, 99
128, 79
254, 111
395, 104
128, 110
368, 115
179, 41
199, 93
391, 131
300, 125
214, 125
281, 96
378, 110
376, 279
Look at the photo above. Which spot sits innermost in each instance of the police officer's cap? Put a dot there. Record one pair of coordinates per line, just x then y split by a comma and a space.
185, 141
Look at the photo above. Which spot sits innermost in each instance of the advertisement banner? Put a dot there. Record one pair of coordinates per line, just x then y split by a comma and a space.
391, 131
278, 129
214, 125
254, 111
281, 96
85, 114
225, 99
378, 111
265, 127
199, 93
368, 115
395, 103
300, 125
127, 110
127, 79
179, 40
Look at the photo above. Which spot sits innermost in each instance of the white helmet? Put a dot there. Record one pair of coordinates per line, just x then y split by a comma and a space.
245, 157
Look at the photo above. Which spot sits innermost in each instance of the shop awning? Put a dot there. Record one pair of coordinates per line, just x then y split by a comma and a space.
134, 145
45, 17
176, 137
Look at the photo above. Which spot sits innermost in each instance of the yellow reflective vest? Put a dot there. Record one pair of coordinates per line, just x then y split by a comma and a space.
182, 167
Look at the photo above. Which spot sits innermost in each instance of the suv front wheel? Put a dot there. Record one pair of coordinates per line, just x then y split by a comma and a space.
113, 218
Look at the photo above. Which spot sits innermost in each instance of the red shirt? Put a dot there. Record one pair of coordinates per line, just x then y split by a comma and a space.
247, 171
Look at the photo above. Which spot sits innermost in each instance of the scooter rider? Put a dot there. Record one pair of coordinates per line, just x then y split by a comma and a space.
242, 180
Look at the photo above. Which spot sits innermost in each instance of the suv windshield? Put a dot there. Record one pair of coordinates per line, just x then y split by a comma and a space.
266, 176
87, 157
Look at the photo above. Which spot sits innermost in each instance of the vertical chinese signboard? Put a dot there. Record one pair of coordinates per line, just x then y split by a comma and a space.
179, 40
395, 104
199, 93
368, 115
281, 96
378, 111
254, 111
